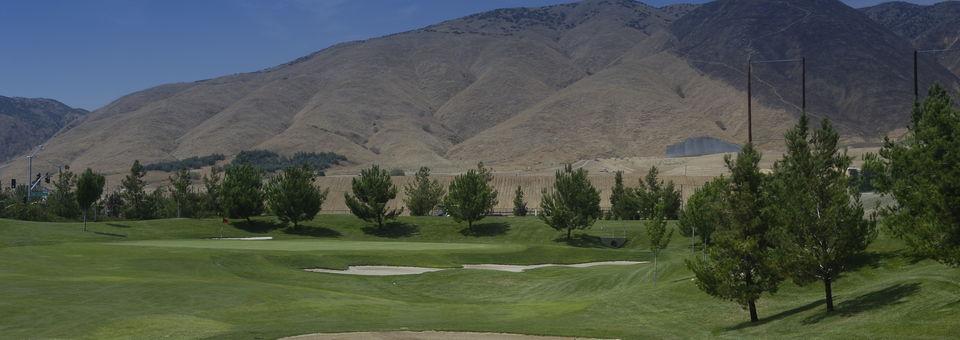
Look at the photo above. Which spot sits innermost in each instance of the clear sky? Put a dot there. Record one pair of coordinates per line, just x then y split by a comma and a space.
88, 53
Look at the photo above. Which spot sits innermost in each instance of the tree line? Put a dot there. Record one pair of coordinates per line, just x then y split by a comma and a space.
805, 221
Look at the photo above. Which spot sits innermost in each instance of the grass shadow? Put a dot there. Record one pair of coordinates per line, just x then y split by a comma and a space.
870, 259
303, 230
109, 234
778, 316
393, 230
889, 296
486, 229
257, 227
118, 225
582, 241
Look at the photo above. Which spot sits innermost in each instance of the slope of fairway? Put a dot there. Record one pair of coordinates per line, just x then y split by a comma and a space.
59, 282
316, 245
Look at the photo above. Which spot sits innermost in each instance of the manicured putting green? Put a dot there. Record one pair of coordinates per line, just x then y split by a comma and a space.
317, 245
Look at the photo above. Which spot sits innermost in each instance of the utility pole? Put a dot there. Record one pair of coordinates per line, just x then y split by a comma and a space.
750, 100
803, 85
916, 69
30, 171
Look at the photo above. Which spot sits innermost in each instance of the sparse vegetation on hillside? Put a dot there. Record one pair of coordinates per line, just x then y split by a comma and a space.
270, 161
190, 163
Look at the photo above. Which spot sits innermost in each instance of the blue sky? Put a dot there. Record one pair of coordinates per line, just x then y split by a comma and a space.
88, 53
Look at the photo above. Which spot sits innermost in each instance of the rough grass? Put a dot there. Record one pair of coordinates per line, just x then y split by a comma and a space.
59, 282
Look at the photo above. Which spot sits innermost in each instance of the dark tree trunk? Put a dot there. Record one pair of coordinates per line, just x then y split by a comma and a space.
753, 311
84, 219
569, 234
828, 290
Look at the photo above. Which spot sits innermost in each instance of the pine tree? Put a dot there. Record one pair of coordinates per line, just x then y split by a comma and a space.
519, 205
658, 235
741, 266
134, 197
180, 189
470, 196
89, 189
423, 195
650, 192
63, 200
704, 211
241, 192
817, 209
572, 204
371, 193
212, 197
624, 203
923, 174
292, 195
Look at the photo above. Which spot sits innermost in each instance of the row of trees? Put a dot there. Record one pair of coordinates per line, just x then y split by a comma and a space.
805, 221
74, 197
640, 203
469, 197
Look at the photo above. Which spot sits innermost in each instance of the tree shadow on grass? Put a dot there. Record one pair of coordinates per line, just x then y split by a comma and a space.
486, 229
778, 316
303, 230
889, 296
870, 259
257, 227
118, 225
582, 241
393, 230
109, 234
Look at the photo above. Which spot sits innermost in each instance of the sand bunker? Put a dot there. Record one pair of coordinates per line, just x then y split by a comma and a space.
519, 268
431, 335
394, 270
377, 270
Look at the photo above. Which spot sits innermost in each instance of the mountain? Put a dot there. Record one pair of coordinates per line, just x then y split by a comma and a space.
859, 73
28, 122
935, 26
527, 87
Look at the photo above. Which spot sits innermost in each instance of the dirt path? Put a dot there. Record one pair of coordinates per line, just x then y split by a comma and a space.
430, 335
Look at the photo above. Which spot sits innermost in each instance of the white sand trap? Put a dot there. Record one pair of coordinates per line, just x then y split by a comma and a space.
431, 335
519, 268
396, 270
264, 238
377, 270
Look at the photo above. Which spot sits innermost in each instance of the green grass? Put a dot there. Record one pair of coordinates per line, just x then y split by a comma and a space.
164, 278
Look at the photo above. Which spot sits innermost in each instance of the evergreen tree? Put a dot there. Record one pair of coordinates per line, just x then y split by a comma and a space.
923, 174
624, 202
371, 193
573, 203
741, 266
114, 204
470, 196
704, 210
670, 197
658, 235
292, 195
241, 192
180, 190
423, 194
817, 209
519, 205
63, 200
89, 189
134, 197
652, 187
212, 195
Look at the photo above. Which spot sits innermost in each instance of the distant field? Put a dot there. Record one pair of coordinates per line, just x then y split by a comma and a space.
165, 279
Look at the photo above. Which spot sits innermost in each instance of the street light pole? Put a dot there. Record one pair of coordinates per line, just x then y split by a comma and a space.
750, 101
30, 171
